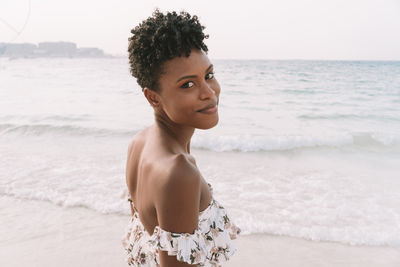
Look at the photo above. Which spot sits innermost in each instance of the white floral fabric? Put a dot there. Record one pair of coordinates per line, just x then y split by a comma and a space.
209, 245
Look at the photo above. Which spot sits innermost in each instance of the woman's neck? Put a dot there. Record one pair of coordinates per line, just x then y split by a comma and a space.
177, 137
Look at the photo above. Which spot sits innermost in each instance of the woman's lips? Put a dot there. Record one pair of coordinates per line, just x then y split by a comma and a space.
210, 110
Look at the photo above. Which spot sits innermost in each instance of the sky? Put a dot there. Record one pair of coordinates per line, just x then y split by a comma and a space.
284, 29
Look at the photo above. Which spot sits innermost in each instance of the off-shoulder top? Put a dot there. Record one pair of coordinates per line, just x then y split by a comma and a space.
209, 245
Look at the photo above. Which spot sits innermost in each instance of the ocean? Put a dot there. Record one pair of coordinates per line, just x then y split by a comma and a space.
307, 149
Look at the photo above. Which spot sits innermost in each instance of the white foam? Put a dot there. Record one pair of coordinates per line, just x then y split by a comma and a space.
278, 142
312, 196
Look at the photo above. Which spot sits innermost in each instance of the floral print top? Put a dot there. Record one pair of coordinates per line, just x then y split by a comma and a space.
209, 245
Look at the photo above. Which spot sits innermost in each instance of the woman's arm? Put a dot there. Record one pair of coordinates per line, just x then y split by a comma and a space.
177, 203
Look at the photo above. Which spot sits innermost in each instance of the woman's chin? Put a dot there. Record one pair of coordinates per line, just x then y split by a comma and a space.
208, 125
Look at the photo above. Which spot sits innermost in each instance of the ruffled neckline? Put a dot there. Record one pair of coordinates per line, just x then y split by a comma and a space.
207, 246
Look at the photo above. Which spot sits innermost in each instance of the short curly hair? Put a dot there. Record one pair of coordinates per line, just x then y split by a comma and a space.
159, 38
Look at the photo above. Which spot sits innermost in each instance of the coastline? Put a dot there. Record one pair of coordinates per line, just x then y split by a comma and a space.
38, 233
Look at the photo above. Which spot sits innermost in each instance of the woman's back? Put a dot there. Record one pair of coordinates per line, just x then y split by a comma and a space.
149, 163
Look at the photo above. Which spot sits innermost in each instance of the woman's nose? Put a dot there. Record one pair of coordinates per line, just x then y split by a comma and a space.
206, 91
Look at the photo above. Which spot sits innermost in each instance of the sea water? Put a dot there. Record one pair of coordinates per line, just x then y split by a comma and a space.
309, 149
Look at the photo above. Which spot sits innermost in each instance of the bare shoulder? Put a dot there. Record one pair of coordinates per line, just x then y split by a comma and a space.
180, 175
180, 172
178, 197
137, 139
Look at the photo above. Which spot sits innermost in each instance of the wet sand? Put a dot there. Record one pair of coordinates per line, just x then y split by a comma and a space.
37, 233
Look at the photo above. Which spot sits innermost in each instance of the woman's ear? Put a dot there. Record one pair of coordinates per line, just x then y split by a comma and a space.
152, 97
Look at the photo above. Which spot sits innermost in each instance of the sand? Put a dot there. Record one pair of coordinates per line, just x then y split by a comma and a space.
38, 233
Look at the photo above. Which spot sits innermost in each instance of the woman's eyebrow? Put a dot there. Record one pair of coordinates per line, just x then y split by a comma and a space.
193, 76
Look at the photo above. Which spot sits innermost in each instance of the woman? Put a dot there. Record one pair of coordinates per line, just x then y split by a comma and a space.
175, 219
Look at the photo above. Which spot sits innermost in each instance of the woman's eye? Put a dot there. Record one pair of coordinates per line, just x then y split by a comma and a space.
187, 85
210, 76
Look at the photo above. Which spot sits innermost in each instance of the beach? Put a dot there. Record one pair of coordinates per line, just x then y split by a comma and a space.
305, 159
74, 236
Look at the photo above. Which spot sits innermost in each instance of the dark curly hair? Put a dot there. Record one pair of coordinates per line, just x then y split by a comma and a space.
159, 38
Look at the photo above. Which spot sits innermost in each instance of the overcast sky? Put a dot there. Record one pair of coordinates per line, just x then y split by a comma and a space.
280, 29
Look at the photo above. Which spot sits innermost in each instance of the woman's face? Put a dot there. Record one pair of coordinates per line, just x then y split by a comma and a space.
189, 92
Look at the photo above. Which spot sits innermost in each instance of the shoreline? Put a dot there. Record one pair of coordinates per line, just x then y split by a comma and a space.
76, 236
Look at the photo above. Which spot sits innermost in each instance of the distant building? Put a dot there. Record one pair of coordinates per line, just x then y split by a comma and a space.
2, 48
48, 49
90, 52
15, 50
63, 49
